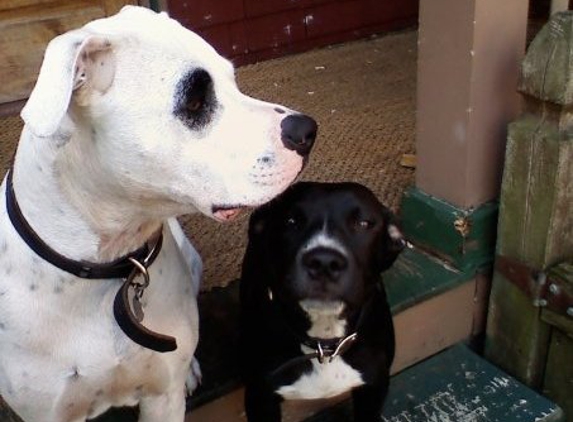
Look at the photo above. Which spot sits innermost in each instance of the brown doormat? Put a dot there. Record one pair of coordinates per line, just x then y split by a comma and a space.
363, 96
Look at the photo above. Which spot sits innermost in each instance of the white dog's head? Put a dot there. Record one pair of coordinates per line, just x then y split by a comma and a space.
156, 115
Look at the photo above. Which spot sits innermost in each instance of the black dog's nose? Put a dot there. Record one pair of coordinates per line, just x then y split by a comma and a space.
298, 133
324, 263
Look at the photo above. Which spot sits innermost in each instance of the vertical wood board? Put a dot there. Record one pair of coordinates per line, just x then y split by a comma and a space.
27, 26
516, 338
535, 223
558, 382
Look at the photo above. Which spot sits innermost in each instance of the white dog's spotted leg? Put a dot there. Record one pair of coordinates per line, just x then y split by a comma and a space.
195, 376
168, 407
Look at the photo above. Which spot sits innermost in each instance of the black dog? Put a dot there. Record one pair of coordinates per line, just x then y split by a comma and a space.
315, 320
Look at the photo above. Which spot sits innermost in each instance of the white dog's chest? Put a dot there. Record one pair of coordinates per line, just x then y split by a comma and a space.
324, 381
52, 323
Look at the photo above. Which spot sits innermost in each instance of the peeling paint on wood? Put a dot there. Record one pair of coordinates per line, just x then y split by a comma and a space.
464, 238
457, 386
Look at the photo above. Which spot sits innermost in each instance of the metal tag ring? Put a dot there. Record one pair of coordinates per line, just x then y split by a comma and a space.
139, 269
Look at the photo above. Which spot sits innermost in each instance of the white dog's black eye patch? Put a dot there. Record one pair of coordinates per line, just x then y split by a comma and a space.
195, 101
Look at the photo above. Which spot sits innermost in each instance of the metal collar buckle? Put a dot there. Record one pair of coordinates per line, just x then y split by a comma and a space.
327, 355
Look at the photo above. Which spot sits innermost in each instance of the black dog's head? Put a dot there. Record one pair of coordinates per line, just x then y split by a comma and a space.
324, 241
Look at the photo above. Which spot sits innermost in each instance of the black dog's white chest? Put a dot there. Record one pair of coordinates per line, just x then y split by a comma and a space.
325, 380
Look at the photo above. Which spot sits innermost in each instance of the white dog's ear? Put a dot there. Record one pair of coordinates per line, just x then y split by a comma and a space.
76, 59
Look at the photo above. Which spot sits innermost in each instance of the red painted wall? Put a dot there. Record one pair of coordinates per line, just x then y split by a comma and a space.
251, 30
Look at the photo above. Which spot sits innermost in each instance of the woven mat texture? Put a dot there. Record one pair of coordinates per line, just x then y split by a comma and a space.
363, 96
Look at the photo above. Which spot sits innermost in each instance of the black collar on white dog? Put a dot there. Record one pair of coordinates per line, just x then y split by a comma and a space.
128, 267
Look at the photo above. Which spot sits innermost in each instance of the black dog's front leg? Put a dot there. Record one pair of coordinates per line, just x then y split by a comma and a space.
368, 400
262, 404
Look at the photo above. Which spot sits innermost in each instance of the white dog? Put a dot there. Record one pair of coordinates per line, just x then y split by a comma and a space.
133, 121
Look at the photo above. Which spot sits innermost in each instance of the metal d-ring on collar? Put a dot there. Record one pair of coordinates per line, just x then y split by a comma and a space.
322, 354
326, 355
127, 267
130, 319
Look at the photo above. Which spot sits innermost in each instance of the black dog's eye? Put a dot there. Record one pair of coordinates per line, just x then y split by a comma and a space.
364, 224
357, 220
291, 222
294, 221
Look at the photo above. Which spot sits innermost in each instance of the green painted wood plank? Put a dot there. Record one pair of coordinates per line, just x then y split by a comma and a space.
465, 238
417, 276
559, 372
516, 338
456, 386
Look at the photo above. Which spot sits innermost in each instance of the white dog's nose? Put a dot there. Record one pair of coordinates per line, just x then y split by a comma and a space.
299, 133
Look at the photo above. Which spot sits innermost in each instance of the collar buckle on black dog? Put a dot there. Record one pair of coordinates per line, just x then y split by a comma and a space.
322, 351
327, 353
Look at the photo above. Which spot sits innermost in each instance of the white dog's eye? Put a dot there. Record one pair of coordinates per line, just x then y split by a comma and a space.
194, 105
195, 99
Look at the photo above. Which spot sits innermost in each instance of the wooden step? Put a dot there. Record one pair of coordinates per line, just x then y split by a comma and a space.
456, 386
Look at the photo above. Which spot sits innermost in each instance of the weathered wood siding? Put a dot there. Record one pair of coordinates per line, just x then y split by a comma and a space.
251, 30
26, 27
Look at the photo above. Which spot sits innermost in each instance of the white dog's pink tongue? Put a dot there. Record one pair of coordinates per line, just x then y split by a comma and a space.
227, 214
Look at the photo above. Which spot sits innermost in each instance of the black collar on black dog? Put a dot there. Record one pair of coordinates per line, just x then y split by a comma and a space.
324, 350
127, 267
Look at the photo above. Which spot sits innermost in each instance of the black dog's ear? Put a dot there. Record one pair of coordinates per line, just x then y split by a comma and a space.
391, 243
262, 217
257, 222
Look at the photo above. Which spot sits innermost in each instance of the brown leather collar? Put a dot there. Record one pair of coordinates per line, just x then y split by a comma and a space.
129, 267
